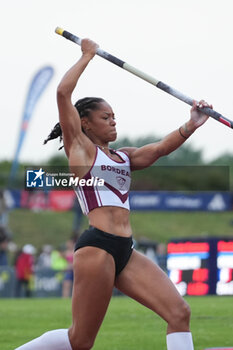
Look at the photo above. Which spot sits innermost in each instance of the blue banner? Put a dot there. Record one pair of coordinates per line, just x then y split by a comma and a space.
203, 201
13, 198
145, 200
37, 86
48, 283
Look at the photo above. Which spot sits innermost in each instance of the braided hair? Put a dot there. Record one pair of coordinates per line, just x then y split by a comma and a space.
84, 106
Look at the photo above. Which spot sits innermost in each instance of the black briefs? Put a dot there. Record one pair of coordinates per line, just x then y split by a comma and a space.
119, 247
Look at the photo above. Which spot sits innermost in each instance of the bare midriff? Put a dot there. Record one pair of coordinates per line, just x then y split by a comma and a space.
114, 220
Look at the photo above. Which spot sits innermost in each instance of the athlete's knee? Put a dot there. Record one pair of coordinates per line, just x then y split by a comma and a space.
180, 315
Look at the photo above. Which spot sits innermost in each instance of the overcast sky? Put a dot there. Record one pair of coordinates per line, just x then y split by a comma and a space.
186, 44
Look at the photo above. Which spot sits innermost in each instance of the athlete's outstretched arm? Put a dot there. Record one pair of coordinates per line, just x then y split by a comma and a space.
145, 156
68, 115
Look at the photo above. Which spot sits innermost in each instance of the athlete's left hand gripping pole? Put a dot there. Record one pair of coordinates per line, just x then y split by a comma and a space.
159, 84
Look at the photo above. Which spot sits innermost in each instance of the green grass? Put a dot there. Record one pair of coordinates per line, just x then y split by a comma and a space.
56, 227
38, 228
162, 226
127, 325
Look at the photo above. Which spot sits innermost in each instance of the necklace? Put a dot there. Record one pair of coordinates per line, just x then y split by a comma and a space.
105, 148
102, 147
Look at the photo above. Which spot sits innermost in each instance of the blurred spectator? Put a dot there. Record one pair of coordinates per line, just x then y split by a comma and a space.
68, 278
157, 252
3, 247
44, 260
150, 253
161, 253
58, 260
148, 248
24, 268
3, 210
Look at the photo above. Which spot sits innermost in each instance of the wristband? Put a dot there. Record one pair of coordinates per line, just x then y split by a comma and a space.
185, 137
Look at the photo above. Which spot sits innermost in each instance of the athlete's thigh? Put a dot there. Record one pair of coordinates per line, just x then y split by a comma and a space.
145, 282
94, 274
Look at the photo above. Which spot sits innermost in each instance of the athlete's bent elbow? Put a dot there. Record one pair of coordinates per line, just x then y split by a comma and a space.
63, 91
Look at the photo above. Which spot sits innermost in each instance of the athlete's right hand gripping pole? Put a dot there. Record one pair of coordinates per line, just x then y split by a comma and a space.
159, 84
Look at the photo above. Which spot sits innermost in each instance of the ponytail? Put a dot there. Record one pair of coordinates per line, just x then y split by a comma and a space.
84, 106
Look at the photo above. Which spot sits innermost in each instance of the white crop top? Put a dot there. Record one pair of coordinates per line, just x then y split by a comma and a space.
117, 179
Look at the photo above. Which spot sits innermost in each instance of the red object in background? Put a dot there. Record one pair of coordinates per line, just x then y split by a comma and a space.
24, 266
61, 200
200, 275
225, 246
198, 288
53, 200
34, 200
188, 247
